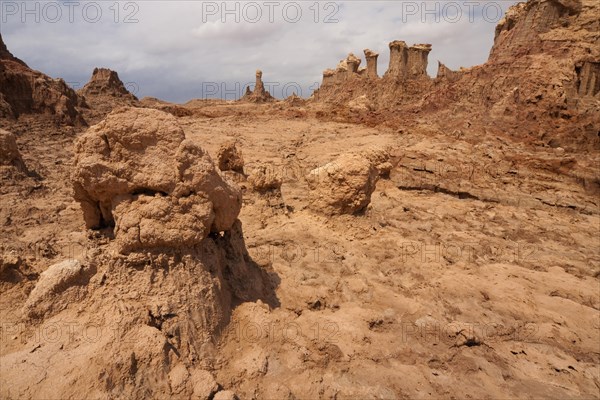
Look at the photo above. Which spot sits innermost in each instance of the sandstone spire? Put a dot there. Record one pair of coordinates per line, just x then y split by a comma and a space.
352, 62
259, 94
398, 59
371, 57
417, 60
328, 76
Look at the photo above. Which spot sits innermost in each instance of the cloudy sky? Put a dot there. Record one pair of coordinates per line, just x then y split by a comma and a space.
179, 50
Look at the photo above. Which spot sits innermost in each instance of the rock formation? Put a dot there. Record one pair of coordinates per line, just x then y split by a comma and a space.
264, 179
398, 59
136, 171
445, 73
341, 71
360, 91
417, 60
407, 62
229, 158
542, 71
106, 82
371, 58
328, 77
9, 152
352, 62
25, 91
259, 94
344, 186
104, 92
294, 100
55, 279
545, 57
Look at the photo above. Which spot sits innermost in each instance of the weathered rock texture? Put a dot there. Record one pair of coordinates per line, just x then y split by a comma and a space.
106, 82
229, 158
264, 179
56, 279
135, 170
9, 152
345, 185
295, 101
259, 94
405, 81
445, 73
104, 92
25, 91
543, 70
371, 57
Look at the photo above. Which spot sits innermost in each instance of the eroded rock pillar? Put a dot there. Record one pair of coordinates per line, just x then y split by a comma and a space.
398, 59
371, 58
417, 60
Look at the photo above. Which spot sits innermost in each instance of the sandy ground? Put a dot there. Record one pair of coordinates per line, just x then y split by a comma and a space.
473, 273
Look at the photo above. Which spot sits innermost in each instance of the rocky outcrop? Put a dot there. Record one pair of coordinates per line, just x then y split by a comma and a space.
158, 288
521, 32
588, 77
371, 57
264, 179
405, 80
294, 100
346, 69
446, 74
259, 94
543, 71
344, 186
352, 63
104, 92
417, 60
398, 60
328, 77
106, 82
25, 91
158, 307
136, 171
229, 158
9, 152
407, 62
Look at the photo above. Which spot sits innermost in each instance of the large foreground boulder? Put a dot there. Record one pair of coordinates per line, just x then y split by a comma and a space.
136, 171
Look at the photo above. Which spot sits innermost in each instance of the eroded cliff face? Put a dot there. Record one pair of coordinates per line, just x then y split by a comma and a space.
543, 69
25, 91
